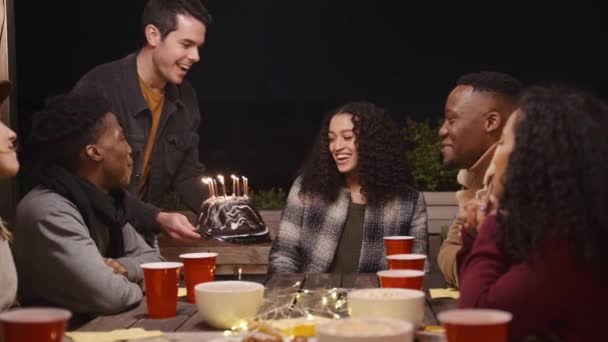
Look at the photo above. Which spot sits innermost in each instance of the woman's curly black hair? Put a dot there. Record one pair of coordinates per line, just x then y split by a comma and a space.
557, 176
383, 168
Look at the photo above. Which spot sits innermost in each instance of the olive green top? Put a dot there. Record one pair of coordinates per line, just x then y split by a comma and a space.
346, 259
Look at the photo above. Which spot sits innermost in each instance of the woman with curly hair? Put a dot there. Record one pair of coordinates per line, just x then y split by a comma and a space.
9, 165
543, 254
353, 190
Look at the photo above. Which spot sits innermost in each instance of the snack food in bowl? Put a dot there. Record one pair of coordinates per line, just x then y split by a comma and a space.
404, 304
366, 329
225, 304
300, 326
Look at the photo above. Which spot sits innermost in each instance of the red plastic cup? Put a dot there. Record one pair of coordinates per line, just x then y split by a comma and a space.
161, 279
406, 261
475, 325
34, 324
404, 279
198, 268
399, 244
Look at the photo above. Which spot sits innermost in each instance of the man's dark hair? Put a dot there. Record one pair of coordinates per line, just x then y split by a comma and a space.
163, 14
492, 81
65, 126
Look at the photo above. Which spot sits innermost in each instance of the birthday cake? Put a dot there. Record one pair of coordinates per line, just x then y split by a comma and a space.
232, 218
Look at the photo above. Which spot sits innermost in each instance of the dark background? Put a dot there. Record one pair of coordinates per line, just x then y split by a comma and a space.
270, 70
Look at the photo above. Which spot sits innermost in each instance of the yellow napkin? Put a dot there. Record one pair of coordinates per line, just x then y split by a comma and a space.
181, 292
445, 293
109, 336
302, 326
437, 329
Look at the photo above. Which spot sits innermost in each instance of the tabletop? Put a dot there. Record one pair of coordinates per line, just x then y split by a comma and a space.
188, 324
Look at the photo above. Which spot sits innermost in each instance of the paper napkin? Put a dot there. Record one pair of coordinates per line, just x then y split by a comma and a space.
114, 335
445, 293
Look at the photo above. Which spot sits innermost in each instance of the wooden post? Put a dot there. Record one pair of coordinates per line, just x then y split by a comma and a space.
8, 188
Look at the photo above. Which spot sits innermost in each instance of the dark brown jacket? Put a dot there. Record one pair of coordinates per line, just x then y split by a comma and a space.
174, 164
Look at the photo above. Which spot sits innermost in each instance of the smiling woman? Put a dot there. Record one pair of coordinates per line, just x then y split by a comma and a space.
9, 165
342, 146
353, 190
547, 229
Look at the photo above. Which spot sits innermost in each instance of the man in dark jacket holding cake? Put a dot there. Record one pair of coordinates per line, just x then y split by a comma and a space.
158, 109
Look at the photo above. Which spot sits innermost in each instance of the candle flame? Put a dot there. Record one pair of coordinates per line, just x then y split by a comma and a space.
240, 325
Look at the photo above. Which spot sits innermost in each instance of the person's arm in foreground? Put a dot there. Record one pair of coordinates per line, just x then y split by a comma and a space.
71, 271
137, 252
529, 290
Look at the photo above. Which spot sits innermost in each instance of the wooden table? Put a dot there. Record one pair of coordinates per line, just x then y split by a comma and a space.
181, 327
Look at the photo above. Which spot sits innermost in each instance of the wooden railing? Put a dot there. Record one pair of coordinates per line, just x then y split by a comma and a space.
253, 259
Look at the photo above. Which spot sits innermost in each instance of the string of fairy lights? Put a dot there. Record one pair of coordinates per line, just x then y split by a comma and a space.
327, 303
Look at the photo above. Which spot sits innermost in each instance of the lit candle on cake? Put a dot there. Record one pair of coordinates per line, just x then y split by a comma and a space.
214, 187
233, 185
217, 193
245, 186
208, 182
238, 186
221, 179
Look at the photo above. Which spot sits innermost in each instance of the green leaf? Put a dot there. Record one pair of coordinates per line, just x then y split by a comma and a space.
424, 156
268, 199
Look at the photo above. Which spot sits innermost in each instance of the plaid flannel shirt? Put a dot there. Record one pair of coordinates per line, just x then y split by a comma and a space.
310, 230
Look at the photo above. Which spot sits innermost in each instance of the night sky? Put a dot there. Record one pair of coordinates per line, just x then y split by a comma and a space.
270, 70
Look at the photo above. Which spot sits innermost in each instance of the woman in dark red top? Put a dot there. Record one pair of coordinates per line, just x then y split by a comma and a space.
543, 255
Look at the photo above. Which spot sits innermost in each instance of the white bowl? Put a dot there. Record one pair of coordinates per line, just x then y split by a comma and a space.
224, 304
404, 304
366, 329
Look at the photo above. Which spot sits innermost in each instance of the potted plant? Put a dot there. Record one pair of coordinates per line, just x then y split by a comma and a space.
437, 184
